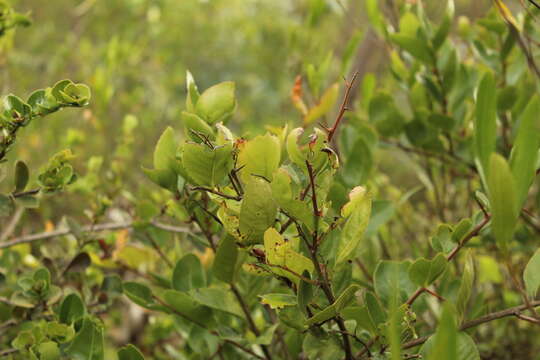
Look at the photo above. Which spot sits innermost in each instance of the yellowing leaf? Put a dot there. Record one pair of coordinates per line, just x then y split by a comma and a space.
279, 251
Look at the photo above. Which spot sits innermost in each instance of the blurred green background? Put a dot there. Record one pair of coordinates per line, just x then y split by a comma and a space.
134, 55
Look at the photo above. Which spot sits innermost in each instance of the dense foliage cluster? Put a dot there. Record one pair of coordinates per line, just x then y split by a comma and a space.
399, 224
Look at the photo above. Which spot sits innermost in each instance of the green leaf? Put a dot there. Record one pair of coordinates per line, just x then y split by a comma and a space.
375, 310
21, 176
502, 198
357, 212
188, 274
485, 126
445, 338
260, 157
188, 307
48, 351
531, 275
71, 309
305, 292
445, 26
217, 103
266, 337
258, 211
465, 287
334, 309
424, 272
192, 92
88, 342
219, 299
392, 283
16, 108
524, 156
465, 348
141, 295
415, 46
193, 123
278, 301
280, 252
165, 151
325, 104
130, 352
224, 266
207, 166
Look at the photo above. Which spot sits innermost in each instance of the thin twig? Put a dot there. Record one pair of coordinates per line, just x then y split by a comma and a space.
344, 107
478, 321
225, 196
93, 228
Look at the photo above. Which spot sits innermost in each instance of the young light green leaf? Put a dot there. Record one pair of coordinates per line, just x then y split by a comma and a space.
260, 157
424, 272
524, 156
485, 126
165, 151
357, 211
192, 92
502, 198
217, 103
531, 275
207, 166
